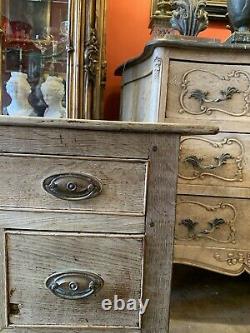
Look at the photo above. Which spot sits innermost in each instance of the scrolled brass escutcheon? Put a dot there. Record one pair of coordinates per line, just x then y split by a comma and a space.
74, 285
71, 186
220, 161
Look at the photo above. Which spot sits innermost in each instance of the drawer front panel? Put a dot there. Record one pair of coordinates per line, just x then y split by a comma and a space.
213, 233
33, 257
208, 91
71, 222
221, 160
25, 181
209, 221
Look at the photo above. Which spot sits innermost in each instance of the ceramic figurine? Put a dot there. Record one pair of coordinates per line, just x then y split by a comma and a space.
19, 90
53, 93
239, 14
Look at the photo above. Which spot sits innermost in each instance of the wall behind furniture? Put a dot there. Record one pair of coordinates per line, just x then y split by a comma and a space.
127, 32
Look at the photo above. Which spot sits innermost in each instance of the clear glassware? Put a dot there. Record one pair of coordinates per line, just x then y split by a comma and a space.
35, 40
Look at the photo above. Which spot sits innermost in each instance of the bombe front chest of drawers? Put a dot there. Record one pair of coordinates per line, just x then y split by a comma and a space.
87, 212
205, 82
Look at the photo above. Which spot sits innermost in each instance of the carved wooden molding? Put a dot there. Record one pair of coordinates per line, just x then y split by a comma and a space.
211, 167
157, 66
91, 55
87, 64
236, 259
231, 262
206, 229
209, 103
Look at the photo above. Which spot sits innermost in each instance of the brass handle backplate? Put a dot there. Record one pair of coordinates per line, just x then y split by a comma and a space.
71, 186
74, 285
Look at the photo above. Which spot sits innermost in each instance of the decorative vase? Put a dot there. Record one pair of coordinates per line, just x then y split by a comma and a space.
189, 17
239, 14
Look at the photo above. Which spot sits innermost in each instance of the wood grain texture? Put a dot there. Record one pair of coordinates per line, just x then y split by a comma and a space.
187, 77
215, 160
71, 221
229, 261
183, 47
205, 83
160, 221
68, 330
3, 296
231, 178
224, 249
70, 142
123, 183
108, 126
180, 326
204, 210
40, 244
32, 257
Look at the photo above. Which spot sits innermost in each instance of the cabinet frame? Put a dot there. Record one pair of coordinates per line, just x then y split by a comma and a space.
86, 63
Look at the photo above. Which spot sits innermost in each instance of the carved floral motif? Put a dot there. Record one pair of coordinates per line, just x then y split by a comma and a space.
234, 258
157, 66
91, 54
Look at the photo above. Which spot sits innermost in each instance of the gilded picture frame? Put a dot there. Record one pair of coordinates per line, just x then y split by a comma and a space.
217, 9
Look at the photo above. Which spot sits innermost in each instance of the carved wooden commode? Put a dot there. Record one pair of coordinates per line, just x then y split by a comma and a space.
204, 82
85, 215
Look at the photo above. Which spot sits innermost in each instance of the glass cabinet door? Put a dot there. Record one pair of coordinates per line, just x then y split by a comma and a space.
52, 58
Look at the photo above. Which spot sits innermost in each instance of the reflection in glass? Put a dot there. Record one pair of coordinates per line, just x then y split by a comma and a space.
35, 39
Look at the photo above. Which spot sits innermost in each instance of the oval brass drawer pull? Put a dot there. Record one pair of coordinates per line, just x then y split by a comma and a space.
74, 285
71, 186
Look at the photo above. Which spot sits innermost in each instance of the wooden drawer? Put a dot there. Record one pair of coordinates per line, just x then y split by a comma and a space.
208, 91
121, 183
218, 165
32, 257
206, 221
213, 233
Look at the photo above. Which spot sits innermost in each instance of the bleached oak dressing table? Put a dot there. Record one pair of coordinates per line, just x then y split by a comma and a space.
87, 212
205, 82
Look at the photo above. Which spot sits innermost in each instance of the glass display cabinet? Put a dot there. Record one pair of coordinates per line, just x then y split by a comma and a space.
52, 58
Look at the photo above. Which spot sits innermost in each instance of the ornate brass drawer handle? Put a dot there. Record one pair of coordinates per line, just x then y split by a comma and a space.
74, 285
70, 186
194, 234
196, 162
202, 96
